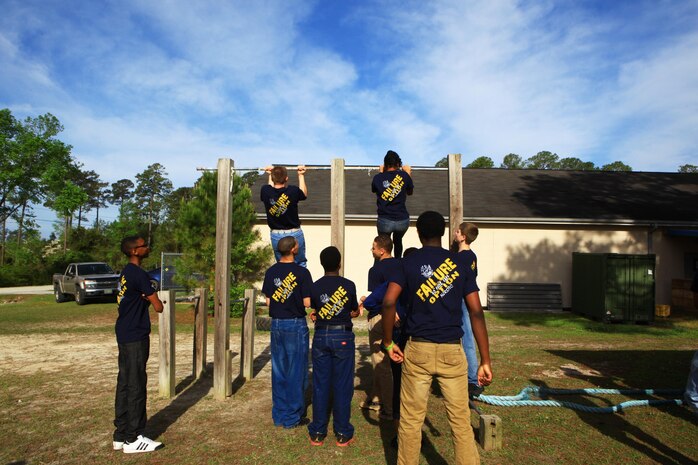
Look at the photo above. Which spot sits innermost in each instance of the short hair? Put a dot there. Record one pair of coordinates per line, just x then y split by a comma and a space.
129, 243
330, 258
392, 160
286, 245
470, 231
384, 242
279, 174
431, 225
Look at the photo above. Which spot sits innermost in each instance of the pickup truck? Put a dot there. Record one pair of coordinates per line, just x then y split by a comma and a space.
83, 281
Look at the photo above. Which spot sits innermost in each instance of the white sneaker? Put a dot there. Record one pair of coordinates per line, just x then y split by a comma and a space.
142, 444
118, 445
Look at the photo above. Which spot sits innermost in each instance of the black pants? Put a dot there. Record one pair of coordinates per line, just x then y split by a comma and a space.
131, 382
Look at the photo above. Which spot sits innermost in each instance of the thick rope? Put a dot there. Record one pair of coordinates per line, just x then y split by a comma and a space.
524, 398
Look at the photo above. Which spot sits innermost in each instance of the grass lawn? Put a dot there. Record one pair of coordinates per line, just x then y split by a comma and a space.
58, 373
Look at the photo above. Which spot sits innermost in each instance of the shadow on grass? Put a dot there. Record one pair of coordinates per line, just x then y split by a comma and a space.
190, 391
186, 398
364, 373
261, 360
572, 321
629, 369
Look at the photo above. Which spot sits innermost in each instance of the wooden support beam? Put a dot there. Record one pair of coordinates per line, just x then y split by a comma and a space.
224, 229
248, 327
455, 194
166, 353
337, 205
200, 332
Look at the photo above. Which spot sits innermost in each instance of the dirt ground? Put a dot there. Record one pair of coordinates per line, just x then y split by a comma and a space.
84, 409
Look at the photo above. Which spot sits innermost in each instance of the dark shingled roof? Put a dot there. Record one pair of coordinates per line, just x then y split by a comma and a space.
534, 196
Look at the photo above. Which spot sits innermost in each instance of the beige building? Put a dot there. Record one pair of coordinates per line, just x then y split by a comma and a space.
531, 221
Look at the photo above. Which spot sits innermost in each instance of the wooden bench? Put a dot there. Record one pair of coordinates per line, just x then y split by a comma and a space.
524, 296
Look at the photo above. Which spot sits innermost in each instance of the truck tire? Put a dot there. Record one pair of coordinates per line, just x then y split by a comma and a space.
80, 297
60, 297
263, 323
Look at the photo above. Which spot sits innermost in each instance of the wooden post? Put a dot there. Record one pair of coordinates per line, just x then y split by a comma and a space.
224, 228
166, 354
200, 330
248, 326
337, 207
489, 430
455, 194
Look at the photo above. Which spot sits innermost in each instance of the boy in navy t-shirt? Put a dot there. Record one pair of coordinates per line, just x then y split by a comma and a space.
333, 299
381, 394
287, 289
465, 235
133, 338
281, 206
435, 285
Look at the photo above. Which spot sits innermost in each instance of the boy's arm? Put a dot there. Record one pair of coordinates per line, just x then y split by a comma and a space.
301, 180
477, 321
155, 301
268, 171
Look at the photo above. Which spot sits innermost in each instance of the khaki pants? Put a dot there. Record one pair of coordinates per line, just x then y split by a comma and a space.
446, 362
382, 387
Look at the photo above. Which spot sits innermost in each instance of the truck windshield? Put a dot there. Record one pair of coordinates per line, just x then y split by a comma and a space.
94, 268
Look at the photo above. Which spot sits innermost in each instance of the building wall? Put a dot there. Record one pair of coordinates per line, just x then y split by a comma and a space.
512, 253
672, 252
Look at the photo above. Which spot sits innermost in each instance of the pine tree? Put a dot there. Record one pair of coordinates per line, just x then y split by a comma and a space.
197, 235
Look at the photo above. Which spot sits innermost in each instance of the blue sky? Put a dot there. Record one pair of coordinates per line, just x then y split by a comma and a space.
184, 83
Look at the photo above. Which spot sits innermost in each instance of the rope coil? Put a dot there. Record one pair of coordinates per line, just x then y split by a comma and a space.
523, 398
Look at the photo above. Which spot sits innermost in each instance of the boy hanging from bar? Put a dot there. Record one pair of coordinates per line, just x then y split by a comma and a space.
281, 205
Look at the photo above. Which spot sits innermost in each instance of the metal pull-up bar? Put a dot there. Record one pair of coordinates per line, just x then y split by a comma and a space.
328, 167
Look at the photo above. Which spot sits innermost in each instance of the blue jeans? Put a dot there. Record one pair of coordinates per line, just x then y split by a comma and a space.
397, 229
691, 394
469, 347
276, 237
333, 378
289, 370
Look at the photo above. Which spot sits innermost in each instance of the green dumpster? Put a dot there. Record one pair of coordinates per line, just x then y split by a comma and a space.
613, 287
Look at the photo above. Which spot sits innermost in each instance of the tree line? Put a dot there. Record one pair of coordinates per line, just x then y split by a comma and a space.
546, 160
37, 168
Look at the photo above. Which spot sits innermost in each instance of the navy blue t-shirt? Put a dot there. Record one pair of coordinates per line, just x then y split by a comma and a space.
286, 285
333, 298
281, 206
133, 322
469, 260
435, 283
391, 189
378, 274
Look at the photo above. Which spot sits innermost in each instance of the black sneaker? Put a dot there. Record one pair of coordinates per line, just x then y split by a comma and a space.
303, 421
475, 390
343, 441
317, 439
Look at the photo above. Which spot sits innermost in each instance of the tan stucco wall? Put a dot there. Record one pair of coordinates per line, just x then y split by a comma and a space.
513, 253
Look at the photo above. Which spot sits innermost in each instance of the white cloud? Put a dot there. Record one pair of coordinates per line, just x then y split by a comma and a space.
659, 99
500, 77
